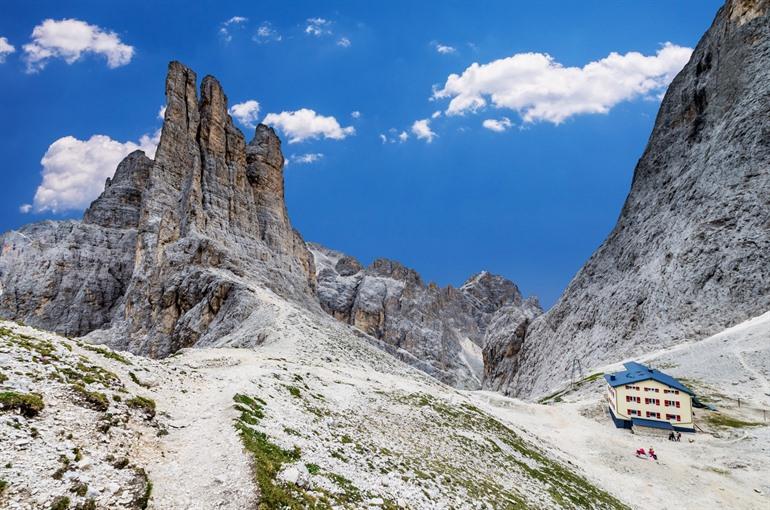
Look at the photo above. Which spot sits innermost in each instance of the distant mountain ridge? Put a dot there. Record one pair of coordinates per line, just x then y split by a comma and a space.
439, 330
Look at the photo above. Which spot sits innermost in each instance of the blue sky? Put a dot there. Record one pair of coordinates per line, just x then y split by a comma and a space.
530, 201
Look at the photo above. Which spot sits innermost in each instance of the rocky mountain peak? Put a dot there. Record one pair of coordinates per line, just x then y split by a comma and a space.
172, 252
690, 253
439, 330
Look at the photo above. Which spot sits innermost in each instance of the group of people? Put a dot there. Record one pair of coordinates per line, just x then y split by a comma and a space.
674, 436
649, 454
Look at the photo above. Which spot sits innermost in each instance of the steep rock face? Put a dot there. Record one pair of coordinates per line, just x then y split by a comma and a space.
503, 341
213, 223
439, 330
690, 254
170, 254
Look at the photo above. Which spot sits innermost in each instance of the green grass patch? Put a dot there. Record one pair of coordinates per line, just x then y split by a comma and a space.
93, 399
107, 353
144, 404
268, 459
724, 421
28, 404
295, 392
136, 380
60, 503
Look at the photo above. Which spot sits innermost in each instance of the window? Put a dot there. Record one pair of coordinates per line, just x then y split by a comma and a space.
675, 392
652, 401
678, 404
671, 403
634, 412
651, 414
673, 417
629, 398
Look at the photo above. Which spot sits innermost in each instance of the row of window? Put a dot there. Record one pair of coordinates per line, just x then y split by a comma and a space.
653, 401
654, 390
653, 414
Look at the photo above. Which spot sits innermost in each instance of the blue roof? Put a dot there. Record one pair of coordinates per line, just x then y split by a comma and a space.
652, 423
636, 372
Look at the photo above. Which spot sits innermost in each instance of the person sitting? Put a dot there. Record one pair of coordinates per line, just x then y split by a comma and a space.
652, 453
641, 453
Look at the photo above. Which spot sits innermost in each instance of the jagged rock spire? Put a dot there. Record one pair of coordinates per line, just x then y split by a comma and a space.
186, 237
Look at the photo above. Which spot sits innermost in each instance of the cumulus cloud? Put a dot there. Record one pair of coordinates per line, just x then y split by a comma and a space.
355, 114
445, 49
421, 129
403, 136
74, 170
225, 30
306, 124
318, 27
6, 49
70, 39
498, 126
25, 208
247, 113
266, 33
436, 114
344, 42
162, 112
305, 159
540, 89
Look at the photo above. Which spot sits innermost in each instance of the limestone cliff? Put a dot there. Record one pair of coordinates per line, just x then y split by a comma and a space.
690, 253
439, 330
170, 253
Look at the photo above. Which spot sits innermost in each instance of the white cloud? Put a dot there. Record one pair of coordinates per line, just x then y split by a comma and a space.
421, 129
498, 126
74, 170
306, 124
436, 114
69, 39
162, 112
344, 42
304, 159
25, 208
540, 89
266, 33
318, 27
403, 136
383, 138
355, 114
6, 49
247, 113
444, 49
225, 28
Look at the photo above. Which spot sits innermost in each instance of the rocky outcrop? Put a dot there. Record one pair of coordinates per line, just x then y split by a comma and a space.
170, 254
503, 340
690, 254
439, 330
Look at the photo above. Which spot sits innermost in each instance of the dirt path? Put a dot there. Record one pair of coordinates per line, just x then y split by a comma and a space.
201, 462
